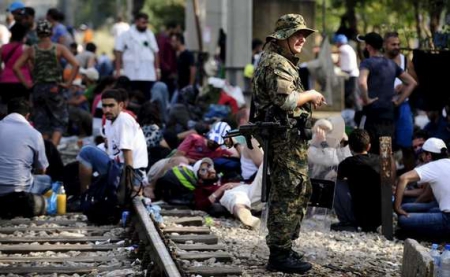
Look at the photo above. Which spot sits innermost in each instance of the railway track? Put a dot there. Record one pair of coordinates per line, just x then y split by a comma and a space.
70, 246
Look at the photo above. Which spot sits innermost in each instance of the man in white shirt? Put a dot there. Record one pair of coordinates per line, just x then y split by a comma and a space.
434, 222
348, 63
137, 51
125, 142
119, 27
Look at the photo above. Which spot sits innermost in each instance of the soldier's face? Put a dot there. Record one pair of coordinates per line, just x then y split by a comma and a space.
296, 42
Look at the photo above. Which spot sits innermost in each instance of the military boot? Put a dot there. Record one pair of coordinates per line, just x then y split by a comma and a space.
284, 261
297, 255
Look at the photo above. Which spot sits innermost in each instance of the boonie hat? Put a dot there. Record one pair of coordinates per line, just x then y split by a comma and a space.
434, 145
373, 39
198, 163
43, 27
218, 130
15, 6
289, 24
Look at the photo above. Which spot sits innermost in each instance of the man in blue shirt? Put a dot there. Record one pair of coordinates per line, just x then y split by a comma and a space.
376, 83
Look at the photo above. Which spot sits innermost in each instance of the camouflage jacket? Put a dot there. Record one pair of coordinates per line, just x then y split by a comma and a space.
276, 81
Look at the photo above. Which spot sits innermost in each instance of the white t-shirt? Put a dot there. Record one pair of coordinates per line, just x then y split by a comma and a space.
138, 54
348, 62
5, 35
437, 174
402, 65
118, 28
125, 133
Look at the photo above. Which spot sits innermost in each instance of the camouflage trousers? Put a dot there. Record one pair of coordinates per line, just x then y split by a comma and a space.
289, 192
50, 111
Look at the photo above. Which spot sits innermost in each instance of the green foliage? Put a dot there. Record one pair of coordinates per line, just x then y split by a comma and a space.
94, 12
162, 12
334, 9
101, 12
379, 15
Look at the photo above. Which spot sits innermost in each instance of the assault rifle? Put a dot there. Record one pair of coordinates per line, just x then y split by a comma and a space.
261, 131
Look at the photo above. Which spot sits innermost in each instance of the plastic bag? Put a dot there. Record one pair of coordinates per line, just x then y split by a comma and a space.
52, 200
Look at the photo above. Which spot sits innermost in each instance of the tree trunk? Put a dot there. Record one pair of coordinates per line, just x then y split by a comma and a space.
418, 20
351, 17
436, 7
137, 6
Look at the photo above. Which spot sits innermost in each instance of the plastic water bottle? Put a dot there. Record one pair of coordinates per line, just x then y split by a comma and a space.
61, 200
445, 262
436, 259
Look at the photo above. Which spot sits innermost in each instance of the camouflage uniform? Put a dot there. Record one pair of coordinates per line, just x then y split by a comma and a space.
276, 82
50, 112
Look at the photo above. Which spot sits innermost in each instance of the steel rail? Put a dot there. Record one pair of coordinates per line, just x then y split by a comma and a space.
162, 258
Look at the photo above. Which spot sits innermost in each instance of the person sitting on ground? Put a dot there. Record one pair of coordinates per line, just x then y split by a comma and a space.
325, 151
415, 192
430, 222
193, 148
149, 119
125, 142
196, 147
243, 198
251, 159
80, 119
22, 163
358, 200
209, 188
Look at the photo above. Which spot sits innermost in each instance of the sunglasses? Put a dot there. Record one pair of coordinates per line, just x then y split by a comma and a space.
204, 170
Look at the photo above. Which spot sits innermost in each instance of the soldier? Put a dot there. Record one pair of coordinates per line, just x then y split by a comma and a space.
279, 94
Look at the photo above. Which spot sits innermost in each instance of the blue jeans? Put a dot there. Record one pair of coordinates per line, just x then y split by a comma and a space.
420, 207
97, 159
430, 223
41, 184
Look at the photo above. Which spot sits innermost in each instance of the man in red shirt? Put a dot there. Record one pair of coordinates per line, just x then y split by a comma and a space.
210, 188
195, 147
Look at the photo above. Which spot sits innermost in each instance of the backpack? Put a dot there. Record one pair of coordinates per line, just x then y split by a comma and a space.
177, 186
109, 195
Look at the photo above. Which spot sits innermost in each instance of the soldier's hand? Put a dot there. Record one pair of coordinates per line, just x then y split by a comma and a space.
317, 98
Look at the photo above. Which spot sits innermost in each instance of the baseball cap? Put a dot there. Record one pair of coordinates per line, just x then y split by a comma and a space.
340, 38
289, 24
91, 73
373, 39
434, 145
15, 6
198, 163
218, 130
